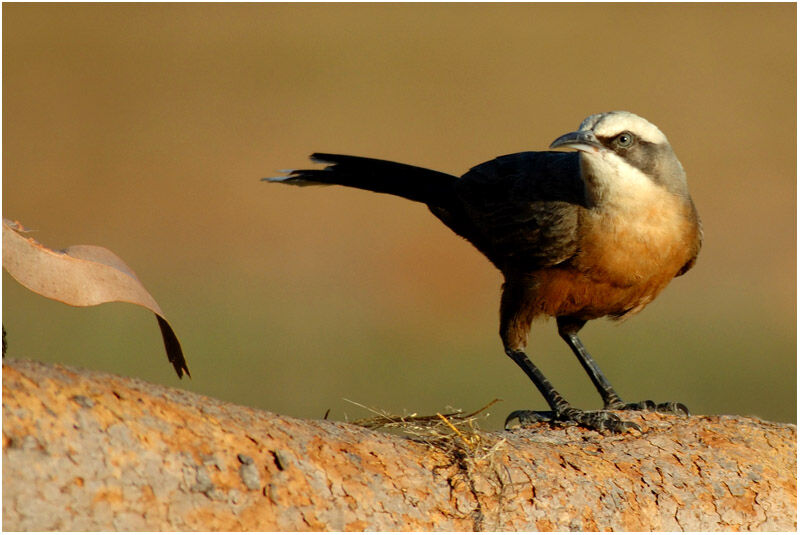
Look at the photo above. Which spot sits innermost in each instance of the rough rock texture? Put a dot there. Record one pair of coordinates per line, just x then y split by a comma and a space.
91, 451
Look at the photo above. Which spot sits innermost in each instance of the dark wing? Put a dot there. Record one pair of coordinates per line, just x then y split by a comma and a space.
521, 210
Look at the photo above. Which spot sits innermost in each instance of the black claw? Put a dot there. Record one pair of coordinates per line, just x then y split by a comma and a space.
624, 426
529, 417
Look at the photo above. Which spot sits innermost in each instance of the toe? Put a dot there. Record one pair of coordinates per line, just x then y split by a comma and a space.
668, 407
672, 407
646, 405
599, 421
526, 417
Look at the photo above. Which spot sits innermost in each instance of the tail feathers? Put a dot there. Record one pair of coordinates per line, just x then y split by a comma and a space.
415, 183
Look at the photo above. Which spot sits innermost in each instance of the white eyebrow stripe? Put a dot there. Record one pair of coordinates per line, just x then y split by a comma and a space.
613, 123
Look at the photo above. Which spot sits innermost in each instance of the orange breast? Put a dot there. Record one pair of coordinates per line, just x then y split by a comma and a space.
626, 257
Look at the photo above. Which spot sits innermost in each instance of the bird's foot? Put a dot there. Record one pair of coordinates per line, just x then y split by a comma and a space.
594, 420
668, 407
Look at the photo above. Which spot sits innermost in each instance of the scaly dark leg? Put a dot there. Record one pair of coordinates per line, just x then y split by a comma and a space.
568, 330
561, 409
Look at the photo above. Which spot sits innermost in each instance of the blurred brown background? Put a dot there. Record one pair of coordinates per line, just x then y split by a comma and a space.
146, 129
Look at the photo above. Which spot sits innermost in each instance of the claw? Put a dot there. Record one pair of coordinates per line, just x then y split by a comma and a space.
629, 425
526, 417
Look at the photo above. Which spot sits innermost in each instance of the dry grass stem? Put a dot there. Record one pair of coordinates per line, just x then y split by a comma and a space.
452, 431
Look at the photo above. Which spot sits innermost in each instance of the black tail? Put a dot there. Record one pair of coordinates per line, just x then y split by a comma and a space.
415, 183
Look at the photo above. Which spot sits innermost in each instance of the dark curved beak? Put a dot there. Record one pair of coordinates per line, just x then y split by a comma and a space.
584, 140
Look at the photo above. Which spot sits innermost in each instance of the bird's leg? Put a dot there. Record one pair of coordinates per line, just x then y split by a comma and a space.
568, 330
561, 409
515, 323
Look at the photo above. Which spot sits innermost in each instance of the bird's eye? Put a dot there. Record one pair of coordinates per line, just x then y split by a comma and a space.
625, 139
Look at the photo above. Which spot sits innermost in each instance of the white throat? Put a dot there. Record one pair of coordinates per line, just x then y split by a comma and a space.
613, 181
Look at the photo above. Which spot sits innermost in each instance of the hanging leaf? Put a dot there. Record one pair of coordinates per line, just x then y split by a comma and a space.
82, 275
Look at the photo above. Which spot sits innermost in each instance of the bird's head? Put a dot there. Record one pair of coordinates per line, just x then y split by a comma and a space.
623, 140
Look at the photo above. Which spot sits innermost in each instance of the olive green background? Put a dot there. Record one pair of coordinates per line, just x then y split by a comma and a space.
146, 129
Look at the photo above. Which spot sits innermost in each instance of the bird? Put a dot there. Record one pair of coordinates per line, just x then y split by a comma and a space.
596, 231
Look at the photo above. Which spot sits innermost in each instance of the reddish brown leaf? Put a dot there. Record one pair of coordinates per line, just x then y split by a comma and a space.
82, 275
